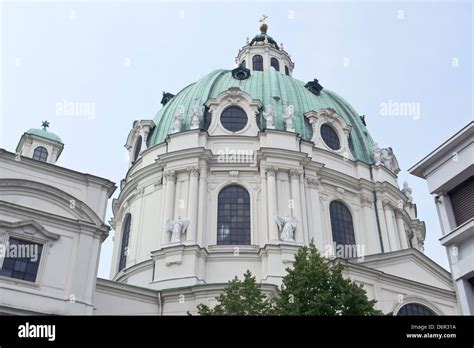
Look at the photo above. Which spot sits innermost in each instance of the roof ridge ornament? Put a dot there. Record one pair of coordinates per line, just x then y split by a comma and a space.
44, 125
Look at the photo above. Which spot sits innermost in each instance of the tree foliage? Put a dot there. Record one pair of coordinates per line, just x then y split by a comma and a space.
239, 298
313, 287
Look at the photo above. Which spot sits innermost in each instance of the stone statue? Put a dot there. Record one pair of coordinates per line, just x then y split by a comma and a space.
377, 154
288, 118
287, 226
386, 158
176, 227
407, 191
389, 160
178, 119
269, 114
196, 116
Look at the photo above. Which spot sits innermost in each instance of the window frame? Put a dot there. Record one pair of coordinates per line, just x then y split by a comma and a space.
274, 61
38, 262
340, 223
330, 126
41, 148
257, 66
417, 304
243, 216
234, 107
123, 255
11, 233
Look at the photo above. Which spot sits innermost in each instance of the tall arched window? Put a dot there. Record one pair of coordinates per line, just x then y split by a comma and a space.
257, 63
124, 243
341, 226
275, 63
138, 148
233, 216
414, 309
287, 71
40, 154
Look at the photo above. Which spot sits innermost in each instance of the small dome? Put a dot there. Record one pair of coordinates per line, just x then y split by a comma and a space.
270, 87
44, 134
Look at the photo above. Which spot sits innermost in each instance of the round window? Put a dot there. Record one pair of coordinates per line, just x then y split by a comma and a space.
234, 119
330, 137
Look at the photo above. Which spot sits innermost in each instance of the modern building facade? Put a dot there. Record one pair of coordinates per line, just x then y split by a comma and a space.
449, 173
235, 172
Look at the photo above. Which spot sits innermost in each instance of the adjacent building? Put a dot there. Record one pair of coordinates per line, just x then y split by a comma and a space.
449, 173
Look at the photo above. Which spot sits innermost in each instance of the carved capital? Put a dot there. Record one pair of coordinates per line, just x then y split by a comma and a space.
387, 204
296, 174
271, 171
170, 175
193, 172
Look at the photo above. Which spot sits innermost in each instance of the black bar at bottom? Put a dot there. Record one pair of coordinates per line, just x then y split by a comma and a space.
138, 330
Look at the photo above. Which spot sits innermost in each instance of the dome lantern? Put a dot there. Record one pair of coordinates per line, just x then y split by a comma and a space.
263, 53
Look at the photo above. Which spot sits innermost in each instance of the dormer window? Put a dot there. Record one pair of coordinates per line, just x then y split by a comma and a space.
234, 119
40, 154
330, 137
275, 63
257, 63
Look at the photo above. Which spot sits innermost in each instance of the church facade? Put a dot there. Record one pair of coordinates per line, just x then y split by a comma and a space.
234, 173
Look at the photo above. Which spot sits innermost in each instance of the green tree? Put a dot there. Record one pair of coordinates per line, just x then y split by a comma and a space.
239, 298
313, 287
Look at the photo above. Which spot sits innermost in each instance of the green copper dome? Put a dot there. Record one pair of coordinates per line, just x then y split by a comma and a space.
44, 134
270, 87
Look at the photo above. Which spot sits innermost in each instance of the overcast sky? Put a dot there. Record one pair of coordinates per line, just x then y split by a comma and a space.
116, 57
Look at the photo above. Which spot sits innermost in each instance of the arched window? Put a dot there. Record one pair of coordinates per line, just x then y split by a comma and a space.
124, 243
330, 137
287, 71
40, 154
414, 309
234, 119
233, 216
275, 63
257, 62
341, 226
138, 147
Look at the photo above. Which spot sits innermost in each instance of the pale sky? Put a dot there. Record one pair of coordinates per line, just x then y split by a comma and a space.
118, 56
